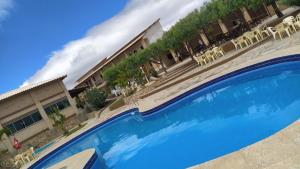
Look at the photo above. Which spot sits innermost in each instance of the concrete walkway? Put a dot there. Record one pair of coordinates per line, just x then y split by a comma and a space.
280, 151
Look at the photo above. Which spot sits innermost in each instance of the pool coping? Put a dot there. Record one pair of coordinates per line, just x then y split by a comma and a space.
273, 61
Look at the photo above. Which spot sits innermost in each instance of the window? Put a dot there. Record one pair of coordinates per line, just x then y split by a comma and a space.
60, 105
24, 122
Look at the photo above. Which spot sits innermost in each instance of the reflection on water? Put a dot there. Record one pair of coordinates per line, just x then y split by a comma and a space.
210, 123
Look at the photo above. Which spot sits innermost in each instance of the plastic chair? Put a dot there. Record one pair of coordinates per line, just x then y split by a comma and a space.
210, 55
236, 44
264, 30
274, 32
252, 35
218, 51
242, 40
290, 22
19, 160
283, 28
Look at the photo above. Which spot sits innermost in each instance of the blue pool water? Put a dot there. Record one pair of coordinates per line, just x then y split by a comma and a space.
207, 124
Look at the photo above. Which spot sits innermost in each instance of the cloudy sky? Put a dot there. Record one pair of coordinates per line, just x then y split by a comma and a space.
118, 21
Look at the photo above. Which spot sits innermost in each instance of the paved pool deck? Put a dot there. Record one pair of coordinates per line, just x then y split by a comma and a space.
281, 150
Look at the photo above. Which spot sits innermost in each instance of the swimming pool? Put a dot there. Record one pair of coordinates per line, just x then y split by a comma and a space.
212, 120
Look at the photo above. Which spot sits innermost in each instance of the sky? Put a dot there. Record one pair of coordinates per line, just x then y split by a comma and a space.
44, 39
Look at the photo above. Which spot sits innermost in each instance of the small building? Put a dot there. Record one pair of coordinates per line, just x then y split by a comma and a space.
25, 111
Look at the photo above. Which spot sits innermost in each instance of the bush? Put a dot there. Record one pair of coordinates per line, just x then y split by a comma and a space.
79, 103
96, 98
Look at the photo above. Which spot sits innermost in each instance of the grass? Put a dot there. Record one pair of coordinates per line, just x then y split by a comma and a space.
117, 104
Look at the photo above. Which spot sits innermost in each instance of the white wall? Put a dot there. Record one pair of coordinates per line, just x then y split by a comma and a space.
154, 33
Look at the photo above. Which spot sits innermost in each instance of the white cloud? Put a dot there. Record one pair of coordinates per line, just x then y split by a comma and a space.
5, 6
78, 56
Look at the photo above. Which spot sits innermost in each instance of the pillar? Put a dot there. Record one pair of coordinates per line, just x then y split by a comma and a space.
204, 38
246, 14
222, 26
41, 110
144, 43
174, 55
71, 101
145, 73
267, 9
93, 82
5, 139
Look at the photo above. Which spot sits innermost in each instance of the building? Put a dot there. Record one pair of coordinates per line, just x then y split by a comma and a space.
25, 111
94, 77
212, 34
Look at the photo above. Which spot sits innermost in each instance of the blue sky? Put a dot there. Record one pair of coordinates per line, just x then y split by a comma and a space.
42, 39
35, 28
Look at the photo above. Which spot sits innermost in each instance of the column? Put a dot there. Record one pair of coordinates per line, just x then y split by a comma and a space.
144, 43
267, 9
41, 110
93, 82
5, 139
71, 101
204, 38
222, 26
174, 55
246, 15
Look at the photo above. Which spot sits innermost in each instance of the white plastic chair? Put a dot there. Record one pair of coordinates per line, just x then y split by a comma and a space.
274, 32
210, 55
283, 28
290, 22
252, 35
218, 51
236, 44
243, 40
263, 31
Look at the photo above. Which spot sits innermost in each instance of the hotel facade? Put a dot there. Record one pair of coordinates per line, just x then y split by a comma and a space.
206, 37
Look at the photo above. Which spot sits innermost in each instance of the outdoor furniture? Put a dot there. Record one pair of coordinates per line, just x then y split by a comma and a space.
290, 22
218, 51
261, 31
236, 44
19, 160
242, 40
298, 17
28, 155
210, 55
278, 30
273, 31
200, 59
297, 21
283, 28
252, 35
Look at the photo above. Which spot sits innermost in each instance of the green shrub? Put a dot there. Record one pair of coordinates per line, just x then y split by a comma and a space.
96, 98
291, 2
79, 103
117, 104
4, 131
59, 120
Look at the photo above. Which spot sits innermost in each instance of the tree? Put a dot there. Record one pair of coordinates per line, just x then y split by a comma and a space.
291, 2
59, 120
3, 131
181, 33
275, 7
96, 98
